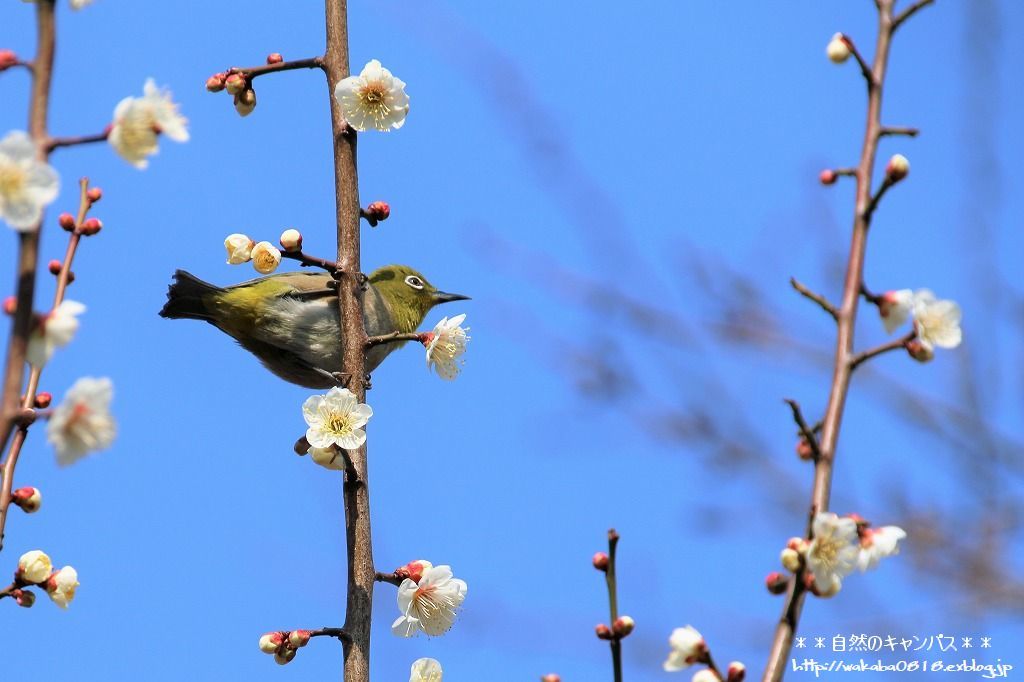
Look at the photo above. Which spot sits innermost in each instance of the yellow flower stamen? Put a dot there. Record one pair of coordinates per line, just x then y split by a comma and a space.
12, 180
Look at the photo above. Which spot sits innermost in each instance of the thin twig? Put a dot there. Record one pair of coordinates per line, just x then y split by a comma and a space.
58, 142
873, 204
337, 633
251, 72
897, 130
311, 261
864, 68
817, 298
864, 356
613, 604
907, 13
395, 337
388, 578
874, 299
806, 431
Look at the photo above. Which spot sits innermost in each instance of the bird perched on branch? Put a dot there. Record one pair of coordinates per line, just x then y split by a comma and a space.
290, 321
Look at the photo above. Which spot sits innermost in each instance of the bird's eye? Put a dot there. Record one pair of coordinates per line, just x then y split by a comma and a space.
414, 281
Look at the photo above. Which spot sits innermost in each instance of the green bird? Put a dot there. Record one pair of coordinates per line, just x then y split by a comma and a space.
290, 321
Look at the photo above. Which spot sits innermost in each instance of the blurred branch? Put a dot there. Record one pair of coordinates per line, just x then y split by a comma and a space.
817, 298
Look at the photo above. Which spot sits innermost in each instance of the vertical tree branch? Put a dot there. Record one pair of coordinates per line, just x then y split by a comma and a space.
613, 604
843, 367
28, 242
361, 573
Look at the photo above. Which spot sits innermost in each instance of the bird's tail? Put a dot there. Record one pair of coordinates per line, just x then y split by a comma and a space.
187, 298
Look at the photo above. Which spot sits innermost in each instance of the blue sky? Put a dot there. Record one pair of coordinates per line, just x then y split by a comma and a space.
617, 142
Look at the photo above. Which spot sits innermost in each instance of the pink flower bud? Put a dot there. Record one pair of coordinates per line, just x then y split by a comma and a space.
94, 194
603, 631
54, 266
551, 677
271, 642
297, 638
897, 168
776, 582
804, 450
736, 672
600, 561
24, 598
378, 211
291, 240
245, 102
284, 656
235, 83
28, 498
66, 221
90, 227
43, 400
215, 83
274, 58
828, 176
414, 570
920, 351
10, 305
790, 559
7, 59
623, 625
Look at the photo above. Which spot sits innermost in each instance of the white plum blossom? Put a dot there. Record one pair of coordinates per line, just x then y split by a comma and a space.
328, 458
139, 120
877, 544
429, 605
687, 646
335, 418
705, 675
239, 248
937, 322
82, 423
27, 185
832, 553
895, 307
265, 257
837, 49
445, 348
425, 670
53, 331
373, 99
34, 567
61, 586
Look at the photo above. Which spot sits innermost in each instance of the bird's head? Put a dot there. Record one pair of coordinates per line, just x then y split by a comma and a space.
409, 295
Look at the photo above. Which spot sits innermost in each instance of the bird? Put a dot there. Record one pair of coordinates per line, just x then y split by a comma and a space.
290, 321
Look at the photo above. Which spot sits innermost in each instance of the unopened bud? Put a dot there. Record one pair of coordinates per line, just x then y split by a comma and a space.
271, 642
215, 83
90, 227
94, 194
600, 561
274, 58
239, 247
838, 49
790, 559
736, 672
551, 677
43, 400
66, 221
235, 83
919, 351
7, 59
623, 625
291, 240
378, 211
28, 498
799, 544
414, 570
10, 305
812, 586
284, 656
297, 638
804, 449
603, 631
828, 176
776, 582
24, 598
54, 266
245, 102
34, 567
897, 168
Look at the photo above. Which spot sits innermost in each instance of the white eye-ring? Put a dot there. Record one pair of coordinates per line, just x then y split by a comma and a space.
414, 281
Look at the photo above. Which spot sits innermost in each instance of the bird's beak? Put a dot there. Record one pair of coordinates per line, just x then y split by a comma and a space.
445, 297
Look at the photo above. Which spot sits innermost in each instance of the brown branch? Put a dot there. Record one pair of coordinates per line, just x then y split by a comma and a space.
817, 298
251, 72
873, 203
28, 241
865, 70
311, 261
337, 633
782, 641
864, 356
907, 13
873, 299
361, 574
896, 130
58, 142
391, 578
613, 604
394, 337
806, 431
